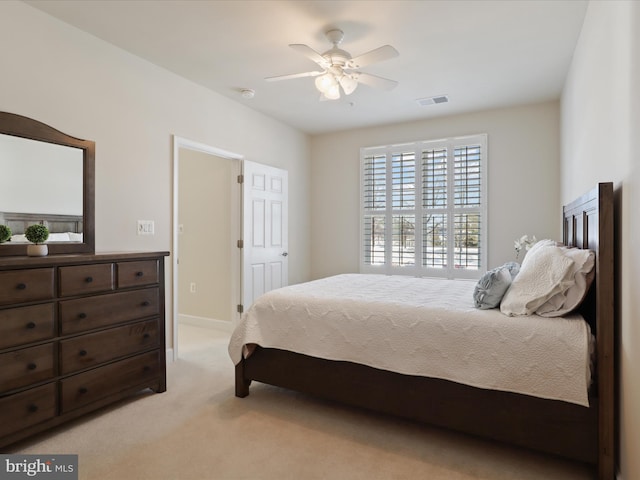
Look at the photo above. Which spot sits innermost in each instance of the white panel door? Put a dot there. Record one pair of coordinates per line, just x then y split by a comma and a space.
265, 230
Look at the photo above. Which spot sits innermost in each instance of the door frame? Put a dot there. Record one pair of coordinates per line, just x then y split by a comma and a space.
178, 143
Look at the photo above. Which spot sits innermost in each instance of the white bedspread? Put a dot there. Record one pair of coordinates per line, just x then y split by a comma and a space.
426, 327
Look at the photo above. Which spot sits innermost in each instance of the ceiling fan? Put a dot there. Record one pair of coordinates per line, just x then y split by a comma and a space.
340, 70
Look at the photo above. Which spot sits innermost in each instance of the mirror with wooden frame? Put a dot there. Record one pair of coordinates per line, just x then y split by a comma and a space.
46, 177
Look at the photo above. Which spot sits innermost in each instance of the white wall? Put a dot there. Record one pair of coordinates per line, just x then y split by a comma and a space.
207, 256
87, 88
601, 142
524, 153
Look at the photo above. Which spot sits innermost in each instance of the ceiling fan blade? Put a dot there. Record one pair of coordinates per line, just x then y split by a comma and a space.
378, 55
311, 54
294, 75
375, 81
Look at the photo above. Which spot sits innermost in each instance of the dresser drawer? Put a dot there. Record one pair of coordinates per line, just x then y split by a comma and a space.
26, 366
27, 408
104, 310
132, 274
88, 387
20, 286
81, 279
19, 326
96, 348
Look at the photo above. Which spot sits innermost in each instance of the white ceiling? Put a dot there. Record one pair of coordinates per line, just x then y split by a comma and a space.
482, 54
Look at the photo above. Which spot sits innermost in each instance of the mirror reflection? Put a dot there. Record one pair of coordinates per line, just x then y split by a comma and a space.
48, 178
43, 179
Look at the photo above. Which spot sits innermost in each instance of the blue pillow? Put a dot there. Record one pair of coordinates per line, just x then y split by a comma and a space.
513, 267
493, 285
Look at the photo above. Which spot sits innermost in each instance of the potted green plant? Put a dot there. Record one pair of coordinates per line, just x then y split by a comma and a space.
5, 233
37, 234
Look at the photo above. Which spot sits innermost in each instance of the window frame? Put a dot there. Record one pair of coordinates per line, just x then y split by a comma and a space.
418, 211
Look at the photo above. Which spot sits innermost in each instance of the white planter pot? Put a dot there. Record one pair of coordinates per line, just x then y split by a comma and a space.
37, 250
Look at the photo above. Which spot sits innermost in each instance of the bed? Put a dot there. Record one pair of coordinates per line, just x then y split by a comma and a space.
582, 432
62, 228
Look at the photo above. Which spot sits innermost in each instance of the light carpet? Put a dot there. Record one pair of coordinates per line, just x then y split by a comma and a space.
198, 430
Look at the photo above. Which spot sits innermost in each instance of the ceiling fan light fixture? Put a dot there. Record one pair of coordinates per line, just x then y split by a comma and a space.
333, 92
325, 82
348, 84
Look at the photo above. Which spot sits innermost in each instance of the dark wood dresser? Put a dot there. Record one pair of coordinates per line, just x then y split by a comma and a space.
77, 332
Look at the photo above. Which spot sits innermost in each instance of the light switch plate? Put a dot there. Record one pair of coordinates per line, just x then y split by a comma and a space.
146, 227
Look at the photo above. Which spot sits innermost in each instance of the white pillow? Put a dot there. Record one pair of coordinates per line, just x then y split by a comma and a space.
58, 237
545, 272
19, 238
543, 243
583, 274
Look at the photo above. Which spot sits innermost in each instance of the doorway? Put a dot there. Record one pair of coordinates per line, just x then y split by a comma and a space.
206, 226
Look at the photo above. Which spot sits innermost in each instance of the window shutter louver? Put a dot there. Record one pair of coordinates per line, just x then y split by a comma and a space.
467, 225
375, 182
434, 245
403, 185
375, 199
434, 178
403, 166
467, 176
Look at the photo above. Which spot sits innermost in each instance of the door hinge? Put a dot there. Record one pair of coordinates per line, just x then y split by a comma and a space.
240, 178
240, 308
240, 243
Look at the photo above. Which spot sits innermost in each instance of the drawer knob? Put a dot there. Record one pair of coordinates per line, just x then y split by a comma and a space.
146, 336
139, 274
88, 279
31, 325
32, 408
82, 315
21, 286
83, 390
32, 366
83, 353
146, 303
146, 368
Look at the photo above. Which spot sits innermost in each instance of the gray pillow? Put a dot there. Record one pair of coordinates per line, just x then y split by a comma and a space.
492, 285
513, 267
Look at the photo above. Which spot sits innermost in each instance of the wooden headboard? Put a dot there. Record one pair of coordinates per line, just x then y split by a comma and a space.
18, 222
588, 222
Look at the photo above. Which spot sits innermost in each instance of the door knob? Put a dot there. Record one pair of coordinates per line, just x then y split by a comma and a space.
284, 254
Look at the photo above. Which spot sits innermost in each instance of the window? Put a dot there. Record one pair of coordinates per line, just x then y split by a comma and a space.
424, 208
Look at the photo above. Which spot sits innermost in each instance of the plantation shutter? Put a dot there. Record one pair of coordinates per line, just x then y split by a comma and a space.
423, 208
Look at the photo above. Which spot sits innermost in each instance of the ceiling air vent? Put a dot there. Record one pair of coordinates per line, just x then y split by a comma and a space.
423, 102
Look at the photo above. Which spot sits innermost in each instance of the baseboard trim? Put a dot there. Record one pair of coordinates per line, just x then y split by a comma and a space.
204, 322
